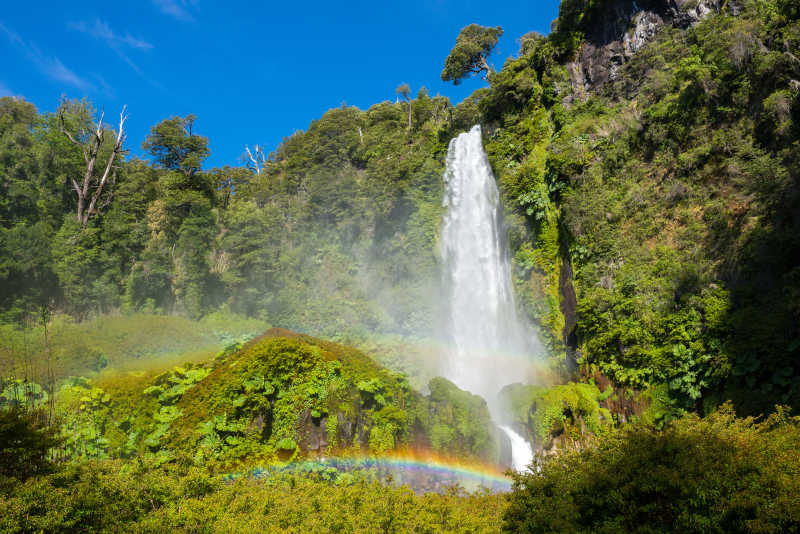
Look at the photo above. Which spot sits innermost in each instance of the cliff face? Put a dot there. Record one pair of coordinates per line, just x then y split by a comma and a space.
623, 29
668, 180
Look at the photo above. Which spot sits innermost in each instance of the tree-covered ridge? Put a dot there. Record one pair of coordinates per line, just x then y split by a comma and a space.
335, 232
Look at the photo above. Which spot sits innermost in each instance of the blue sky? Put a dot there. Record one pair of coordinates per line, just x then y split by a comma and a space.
253, 72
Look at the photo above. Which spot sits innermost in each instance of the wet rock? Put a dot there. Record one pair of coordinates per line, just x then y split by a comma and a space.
504, 449
569, 309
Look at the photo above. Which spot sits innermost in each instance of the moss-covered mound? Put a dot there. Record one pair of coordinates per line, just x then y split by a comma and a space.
284, 394
281, 396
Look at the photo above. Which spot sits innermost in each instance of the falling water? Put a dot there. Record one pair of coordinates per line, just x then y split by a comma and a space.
489, 348
521, 452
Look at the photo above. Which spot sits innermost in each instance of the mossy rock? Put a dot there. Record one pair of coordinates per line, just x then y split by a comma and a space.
458, 423
572, 410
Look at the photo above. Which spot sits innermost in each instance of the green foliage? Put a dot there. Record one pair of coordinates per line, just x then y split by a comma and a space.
174, 146
278, 397
336, 233
459, 423
718, 474
571, 412
22, 394
24, 444
473, 45
668, 191
138, 497
84, 427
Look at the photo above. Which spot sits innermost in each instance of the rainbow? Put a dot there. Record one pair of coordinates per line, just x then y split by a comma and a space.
423, 473
444, 467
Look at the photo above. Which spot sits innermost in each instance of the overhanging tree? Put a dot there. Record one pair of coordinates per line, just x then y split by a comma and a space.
468, 57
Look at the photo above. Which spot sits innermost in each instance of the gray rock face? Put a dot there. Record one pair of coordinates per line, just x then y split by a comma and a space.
625, 28
504, 449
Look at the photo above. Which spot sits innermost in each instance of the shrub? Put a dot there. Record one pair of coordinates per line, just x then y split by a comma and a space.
24, 444
719, 474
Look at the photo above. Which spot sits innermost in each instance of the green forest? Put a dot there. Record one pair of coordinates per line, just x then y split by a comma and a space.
167, 328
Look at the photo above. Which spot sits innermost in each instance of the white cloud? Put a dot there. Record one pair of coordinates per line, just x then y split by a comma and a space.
50, 66
101, 30
179, 9
54, 68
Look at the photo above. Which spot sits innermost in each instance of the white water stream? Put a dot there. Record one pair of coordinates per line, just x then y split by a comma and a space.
489, 348
521, 452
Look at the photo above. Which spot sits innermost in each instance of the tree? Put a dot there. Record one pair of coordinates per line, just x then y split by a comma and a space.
442, 110
90, 144
227, 180
24, 444
174, 146
18, 165
181, 221
256, 160
468, 56
404, 90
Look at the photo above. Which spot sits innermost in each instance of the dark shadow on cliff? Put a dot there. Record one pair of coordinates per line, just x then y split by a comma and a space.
764, 319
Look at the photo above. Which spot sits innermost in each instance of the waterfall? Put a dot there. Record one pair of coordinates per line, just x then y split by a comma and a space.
487, 339
521, 451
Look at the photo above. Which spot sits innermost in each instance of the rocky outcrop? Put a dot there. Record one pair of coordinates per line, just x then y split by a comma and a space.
623, 28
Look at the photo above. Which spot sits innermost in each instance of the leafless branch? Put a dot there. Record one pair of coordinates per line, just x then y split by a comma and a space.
90, 157
258, 160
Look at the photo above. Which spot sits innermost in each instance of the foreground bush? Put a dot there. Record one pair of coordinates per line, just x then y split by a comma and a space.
715, 475
114, 496
24, 444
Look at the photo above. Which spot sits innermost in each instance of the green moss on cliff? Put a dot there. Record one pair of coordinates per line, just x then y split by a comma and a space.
572, 411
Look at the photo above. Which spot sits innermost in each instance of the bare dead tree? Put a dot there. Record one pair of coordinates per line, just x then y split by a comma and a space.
258, 159
91, 188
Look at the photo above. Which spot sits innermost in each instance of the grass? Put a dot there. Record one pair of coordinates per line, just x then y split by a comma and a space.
116, 343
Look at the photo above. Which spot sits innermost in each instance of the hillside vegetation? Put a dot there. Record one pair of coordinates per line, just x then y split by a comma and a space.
651, 217
282, 396
666, 197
